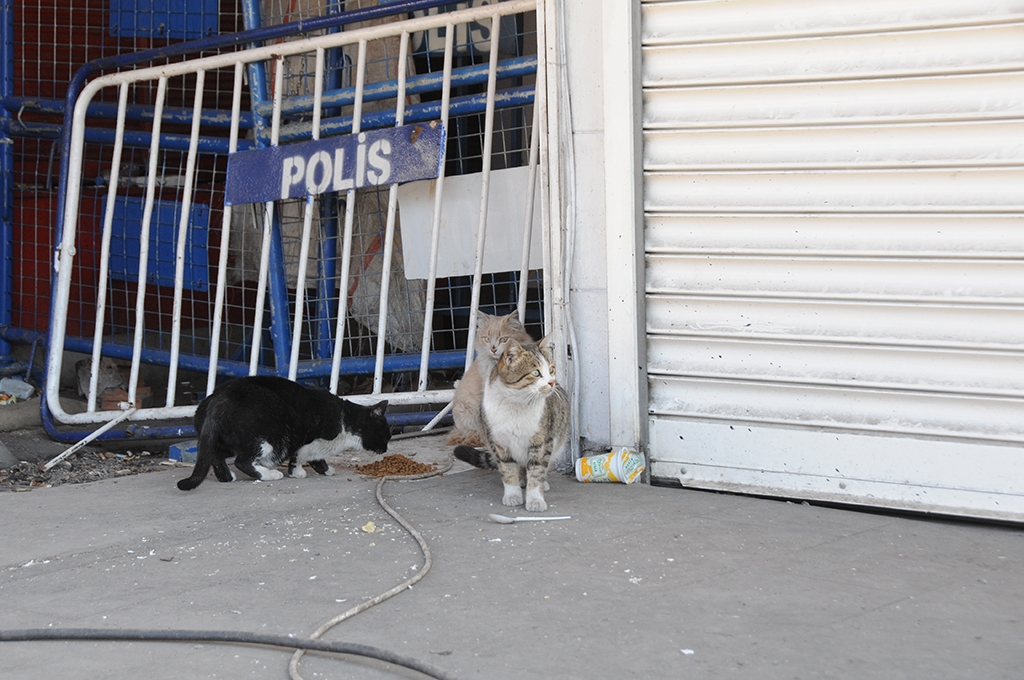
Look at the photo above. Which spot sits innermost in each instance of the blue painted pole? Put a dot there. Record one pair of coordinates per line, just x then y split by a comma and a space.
277, 283
6, 175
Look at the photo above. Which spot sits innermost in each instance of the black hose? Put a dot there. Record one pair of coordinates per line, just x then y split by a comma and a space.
229, 637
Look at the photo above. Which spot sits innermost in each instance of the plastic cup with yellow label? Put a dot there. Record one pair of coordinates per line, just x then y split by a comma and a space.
624, 466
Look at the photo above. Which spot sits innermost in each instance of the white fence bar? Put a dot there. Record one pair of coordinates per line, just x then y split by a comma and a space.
225, 240
147, 222
389, 232
485, 193
350, 207
183, 222
108, 220
531, 191
268, 226
307, 225
435, 222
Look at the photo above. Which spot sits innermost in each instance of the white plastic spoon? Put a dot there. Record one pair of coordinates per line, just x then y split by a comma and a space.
501, 519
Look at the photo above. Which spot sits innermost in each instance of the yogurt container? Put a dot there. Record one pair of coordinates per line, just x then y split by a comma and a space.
624, 465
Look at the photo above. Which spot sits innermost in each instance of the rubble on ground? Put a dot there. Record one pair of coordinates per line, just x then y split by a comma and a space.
82, 466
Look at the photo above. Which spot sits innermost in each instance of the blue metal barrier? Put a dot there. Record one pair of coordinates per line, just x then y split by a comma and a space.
337, 97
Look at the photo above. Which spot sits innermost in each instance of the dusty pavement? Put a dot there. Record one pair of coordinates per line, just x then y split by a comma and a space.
641, 582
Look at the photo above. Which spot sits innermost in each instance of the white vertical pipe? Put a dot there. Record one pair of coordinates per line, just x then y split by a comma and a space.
307, 226
485, 186
268, 225
624, 212
559, 228
389, 232
350, 204
545, 52
183, 221
64, 257
435, 224
108, 223
222, 260
524, 271
147, 220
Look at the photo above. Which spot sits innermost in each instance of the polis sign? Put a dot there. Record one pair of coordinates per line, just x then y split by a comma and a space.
373, 158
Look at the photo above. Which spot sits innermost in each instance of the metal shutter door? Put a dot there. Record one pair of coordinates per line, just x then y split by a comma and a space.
834, 236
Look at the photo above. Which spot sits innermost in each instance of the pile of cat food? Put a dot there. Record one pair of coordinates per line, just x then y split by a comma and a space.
395, 465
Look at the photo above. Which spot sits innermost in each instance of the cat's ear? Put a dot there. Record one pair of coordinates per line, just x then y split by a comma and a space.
547, 348
513, 322
512, 350
379, 408
482, 318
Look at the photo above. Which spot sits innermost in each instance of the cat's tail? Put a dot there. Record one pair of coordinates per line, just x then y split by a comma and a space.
475, 457
204, 460
198, 473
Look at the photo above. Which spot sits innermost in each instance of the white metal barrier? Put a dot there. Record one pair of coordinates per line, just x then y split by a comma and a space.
167, 136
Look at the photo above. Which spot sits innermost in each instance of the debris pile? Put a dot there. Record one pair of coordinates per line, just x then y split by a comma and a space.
83, 466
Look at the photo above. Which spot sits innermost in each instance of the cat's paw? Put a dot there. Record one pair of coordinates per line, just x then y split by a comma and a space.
268, 475
535, 502
513, 496
329, 471
299, 472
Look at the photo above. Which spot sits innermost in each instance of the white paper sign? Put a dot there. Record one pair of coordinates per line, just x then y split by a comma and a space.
460, 217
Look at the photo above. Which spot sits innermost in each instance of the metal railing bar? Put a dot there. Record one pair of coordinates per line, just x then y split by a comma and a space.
524, 271
485, 186
222, 260
416, 84
415, 113
268, 221
183, 225
258, 55
389, 229
134, 112
147, 222
317, 368
307, 225
346, 248
108, 220
435, 222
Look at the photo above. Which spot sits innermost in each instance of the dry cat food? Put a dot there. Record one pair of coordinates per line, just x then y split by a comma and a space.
395, 464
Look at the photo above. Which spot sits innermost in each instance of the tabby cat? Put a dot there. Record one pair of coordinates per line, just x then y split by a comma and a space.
263, 421
526, 420
492, 336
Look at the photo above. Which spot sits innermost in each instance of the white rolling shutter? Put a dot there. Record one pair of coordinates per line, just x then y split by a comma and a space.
834, 235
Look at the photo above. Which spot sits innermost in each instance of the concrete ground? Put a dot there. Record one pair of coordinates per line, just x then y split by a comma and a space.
641, 582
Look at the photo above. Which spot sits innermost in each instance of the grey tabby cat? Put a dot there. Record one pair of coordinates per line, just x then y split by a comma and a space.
526, 420
492, 337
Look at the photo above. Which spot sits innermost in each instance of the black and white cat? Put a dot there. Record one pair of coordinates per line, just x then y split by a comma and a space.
263, 421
